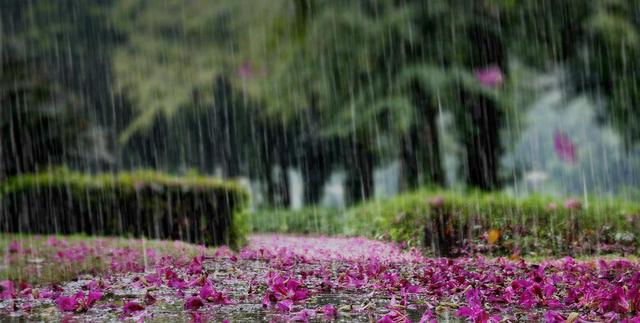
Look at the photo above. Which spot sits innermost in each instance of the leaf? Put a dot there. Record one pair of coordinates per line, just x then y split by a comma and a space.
493, 236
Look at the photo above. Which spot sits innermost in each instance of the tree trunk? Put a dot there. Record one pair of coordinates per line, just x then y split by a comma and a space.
315, 167
482, 116
420, 147
359, 173
482, 142
283, 180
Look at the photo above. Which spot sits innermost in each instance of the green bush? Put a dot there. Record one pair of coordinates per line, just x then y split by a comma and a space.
305, 221
141, 203
534, 225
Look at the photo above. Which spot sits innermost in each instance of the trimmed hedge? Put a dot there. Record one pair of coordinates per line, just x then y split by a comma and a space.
304, 221
141, 203
449, 223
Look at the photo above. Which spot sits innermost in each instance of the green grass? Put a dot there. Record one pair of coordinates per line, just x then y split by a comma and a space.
305, 221
529, 225
41, 264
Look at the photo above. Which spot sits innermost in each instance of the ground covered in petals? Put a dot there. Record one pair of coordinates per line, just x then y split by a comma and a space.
286, 278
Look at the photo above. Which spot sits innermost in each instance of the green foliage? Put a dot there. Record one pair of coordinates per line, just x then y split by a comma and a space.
305, 221
176, 50
192, 208
38, 127
533, 225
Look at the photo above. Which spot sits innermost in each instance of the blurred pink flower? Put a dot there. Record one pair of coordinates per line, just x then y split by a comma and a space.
573, 204
78, 302
284, 305
565, 147
490, 76
67, 303
7, 290
193, 303
329, 311
245, 71
210, 295
436, 201
14, 247
131, 307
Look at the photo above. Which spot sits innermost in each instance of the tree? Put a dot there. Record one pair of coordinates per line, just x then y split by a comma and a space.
594, 42
52, 85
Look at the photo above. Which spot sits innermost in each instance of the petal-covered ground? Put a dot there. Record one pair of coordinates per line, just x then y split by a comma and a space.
285, 278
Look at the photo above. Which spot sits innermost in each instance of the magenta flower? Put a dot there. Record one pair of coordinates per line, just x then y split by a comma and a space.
193, 303
395, 316
7, 290
474, 310
196, 317
67, 303
210, 295
14, 247
553, 317
329, 311
284, 288
92, 298
490, 76
285, 305
573, 204
564, 147
131, 308
428, 317
195, 267
177, 283
302, 316
149, 299
78, 302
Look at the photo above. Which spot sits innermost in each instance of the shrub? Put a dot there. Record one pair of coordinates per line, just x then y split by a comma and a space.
141, 203
304, 221
448, 223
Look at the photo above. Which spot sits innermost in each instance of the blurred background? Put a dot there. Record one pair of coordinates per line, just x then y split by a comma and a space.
328, 102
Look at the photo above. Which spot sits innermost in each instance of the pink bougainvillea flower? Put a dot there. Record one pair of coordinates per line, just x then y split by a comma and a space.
177, 283
196, 317
193, 303
394, 317
67, 303
302, 316
210, 295
129, 308
195, 266
92, 298
329, 311
474, 310
285, 305
7, 290
573, 204
284, 288
553, 317
149, 299
436, 202
428, 317
564, 147
14, 247
78, 302
490, 76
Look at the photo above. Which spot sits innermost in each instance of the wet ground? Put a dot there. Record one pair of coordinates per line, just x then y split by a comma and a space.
284, 278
